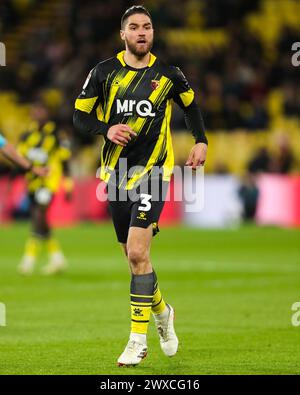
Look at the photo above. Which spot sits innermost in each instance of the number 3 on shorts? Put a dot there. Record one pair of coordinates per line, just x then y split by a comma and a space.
146, 205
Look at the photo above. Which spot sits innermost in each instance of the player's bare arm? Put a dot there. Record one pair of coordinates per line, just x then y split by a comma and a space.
11, 153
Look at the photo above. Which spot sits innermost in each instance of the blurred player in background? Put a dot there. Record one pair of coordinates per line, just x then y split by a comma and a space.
11, 153
128, 100
42, 145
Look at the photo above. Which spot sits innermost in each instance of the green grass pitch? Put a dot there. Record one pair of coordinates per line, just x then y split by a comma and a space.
232, 291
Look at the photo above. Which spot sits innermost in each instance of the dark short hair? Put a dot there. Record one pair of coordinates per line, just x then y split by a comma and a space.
135, 9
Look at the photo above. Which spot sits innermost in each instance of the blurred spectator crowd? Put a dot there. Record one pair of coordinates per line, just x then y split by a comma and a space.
235, 53
233, 81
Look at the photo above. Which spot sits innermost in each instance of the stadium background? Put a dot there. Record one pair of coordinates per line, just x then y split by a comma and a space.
237, 56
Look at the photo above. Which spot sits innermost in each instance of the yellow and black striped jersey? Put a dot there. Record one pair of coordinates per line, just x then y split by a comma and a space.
141, 98
42, 147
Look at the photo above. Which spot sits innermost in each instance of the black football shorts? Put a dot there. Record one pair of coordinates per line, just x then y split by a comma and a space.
139, 208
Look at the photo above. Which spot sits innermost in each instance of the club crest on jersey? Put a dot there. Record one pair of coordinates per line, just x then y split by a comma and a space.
154, 84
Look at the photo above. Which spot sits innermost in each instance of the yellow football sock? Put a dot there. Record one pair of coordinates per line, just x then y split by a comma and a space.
158, 304
53, 246
141, 296
32, 247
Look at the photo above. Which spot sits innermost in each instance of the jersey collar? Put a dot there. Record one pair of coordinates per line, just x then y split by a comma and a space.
120, 57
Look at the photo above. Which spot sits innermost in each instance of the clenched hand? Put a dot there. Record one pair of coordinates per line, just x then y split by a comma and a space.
120, 134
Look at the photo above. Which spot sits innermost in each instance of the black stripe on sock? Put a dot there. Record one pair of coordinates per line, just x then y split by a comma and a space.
154, 305
141, 299
143, 321
141, 305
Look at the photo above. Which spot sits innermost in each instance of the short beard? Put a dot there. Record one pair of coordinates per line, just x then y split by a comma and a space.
139, 54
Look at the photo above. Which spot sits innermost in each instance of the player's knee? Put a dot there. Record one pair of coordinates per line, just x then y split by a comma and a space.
137, 256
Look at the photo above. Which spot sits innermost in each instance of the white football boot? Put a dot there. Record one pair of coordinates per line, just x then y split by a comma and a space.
165, 327
133, 354
56, 265
27, 265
